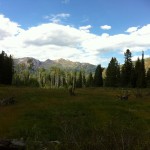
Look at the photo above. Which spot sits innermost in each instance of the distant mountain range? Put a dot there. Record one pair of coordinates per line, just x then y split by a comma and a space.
61, 63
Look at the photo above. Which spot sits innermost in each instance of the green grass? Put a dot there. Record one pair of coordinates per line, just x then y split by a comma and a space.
94, 119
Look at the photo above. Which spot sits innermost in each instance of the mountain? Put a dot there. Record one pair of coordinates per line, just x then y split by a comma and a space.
147, 63
61, 63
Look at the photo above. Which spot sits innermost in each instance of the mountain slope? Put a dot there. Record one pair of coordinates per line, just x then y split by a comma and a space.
147, 63
61, 63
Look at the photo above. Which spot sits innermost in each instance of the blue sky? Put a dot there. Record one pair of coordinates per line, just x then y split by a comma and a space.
79, 30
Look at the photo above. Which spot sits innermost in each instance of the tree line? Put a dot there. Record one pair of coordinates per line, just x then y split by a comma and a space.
130, 74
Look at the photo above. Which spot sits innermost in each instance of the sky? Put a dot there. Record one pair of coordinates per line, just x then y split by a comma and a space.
91, 31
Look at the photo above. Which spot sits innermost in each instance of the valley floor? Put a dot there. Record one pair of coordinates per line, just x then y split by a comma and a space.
93, 119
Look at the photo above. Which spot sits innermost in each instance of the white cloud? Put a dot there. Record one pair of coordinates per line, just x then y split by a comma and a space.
85, 28
57, 18
54, 41
105, 27
52, 34
132, 29
105, 35
8, 28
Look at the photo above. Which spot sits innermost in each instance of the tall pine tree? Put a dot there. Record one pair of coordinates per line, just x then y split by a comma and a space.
126, 71
113, 73
143, 72
90, 80
98, 80
140, 72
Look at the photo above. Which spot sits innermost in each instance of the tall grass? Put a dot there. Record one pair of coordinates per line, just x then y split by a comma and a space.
94, 119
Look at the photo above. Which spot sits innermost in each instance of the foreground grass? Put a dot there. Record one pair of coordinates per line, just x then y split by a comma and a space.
92, 120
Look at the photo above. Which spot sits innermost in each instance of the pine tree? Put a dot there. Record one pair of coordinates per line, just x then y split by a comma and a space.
98, 80
126, 70
143, 72
133, 77
6, 68
113, 73
2, 55
90, 80
138, 72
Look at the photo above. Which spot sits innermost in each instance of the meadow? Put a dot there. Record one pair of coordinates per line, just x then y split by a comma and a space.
93, 119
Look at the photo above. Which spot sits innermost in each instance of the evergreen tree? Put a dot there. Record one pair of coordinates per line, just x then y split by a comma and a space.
126, 70
98, 80
2, 55
6, 68
113, 73
140, 72
143, 72
133, 77
90, 80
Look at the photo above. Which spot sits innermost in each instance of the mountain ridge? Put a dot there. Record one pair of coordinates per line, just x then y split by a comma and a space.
61, 63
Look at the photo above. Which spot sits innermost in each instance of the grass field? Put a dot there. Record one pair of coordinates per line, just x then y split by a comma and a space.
93, 119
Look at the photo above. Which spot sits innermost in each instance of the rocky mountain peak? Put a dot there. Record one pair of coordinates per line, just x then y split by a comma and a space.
61, 63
